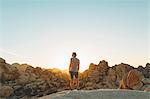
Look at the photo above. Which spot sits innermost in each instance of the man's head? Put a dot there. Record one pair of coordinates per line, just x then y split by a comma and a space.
74, 54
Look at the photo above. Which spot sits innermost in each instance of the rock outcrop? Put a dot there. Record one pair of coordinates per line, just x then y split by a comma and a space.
95, 76
103, 76
20, 80
7, 72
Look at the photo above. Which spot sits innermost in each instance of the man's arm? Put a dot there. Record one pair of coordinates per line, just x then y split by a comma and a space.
79, 65
70, 65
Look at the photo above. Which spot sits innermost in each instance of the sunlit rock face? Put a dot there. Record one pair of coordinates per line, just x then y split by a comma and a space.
132, 80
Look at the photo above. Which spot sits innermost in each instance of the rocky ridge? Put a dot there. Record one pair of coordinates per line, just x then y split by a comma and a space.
23, 80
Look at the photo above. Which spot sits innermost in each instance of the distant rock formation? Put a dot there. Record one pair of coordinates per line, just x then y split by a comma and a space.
20, 80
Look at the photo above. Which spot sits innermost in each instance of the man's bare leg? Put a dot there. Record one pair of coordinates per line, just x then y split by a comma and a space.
71, 84
77, 83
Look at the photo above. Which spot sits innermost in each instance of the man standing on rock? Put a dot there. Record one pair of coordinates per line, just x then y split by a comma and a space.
73, 70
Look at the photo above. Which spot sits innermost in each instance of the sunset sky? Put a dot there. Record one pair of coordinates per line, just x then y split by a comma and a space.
46, 32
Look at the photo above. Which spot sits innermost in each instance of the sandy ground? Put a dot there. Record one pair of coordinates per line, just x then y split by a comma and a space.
99, 94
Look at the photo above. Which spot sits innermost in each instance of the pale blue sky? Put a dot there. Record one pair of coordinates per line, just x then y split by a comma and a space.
46, 32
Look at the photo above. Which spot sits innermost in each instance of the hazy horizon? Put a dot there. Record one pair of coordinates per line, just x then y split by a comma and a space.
46, 32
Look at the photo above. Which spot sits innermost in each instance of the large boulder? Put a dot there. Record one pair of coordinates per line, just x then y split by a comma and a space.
132, 80
121, 70
6, 91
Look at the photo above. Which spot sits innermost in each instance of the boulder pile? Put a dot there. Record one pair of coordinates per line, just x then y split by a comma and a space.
17, 81
121, 76
23, 80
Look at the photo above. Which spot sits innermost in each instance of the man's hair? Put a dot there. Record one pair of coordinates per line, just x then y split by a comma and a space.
74, 53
